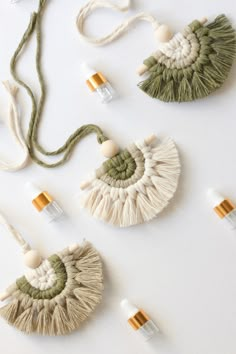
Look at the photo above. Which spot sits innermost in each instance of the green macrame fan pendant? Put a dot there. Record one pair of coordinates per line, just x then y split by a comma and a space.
56, 297
193, 64
134, 186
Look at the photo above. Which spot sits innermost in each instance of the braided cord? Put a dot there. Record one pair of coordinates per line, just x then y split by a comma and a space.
37, 108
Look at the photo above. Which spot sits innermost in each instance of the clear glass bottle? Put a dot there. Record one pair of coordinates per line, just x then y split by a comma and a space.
224, 208
98, 84
44, 203
139, 320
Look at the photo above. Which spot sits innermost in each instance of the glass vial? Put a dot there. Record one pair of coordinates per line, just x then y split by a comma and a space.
43, 203
98, 84
224, 208
139, 320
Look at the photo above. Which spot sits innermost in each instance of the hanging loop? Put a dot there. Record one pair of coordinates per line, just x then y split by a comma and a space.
92, 5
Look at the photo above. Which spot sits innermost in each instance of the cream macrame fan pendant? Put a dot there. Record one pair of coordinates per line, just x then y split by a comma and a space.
186, 66
58, 293
135, 185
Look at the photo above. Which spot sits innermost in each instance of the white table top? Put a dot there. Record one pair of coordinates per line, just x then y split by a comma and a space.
181, 268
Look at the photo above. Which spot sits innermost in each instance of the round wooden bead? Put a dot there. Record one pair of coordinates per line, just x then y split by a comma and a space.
163, 33
73, 248
32, 259
203, 20
84, 185
4, 296
150, 139
109, 148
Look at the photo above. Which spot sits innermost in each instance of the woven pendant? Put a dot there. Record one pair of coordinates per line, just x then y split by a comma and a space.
134, 186
186, 66
192, 64
56, 297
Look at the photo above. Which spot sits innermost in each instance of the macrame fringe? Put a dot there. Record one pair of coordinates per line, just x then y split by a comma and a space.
201, 78
143, 200
64, 313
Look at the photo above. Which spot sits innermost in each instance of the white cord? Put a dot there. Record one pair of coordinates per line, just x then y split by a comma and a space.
16, 132
25, 248
92, 5
17, 236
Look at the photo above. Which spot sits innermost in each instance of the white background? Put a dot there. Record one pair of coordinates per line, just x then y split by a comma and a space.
181, 268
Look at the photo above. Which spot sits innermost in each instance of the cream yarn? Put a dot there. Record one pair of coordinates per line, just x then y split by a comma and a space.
16, 132
92, 5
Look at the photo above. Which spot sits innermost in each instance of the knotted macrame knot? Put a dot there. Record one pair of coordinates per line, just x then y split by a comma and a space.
121, 167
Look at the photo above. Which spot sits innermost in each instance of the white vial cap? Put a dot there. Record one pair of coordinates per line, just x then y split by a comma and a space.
128, 309
32, 190
214, 197
87, 70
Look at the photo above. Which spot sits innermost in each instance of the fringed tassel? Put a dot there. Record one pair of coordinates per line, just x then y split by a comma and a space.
26, 321
10, 311
60, 321
44, 323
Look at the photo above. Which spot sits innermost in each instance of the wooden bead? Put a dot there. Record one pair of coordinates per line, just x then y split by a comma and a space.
84, 185
203, 20
142, 69
32, 259
4, 296
73, 247
151, 139
163, 34
109, 149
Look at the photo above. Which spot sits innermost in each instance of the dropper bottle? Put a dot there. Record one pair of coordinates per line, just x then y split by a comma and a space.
43, 202
139, 320
97, 83
223, 207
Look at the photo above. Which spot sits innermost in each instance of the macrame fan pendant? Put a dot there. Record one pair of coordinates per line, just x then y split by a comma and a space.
134, 186
192, 64
57, 296
186, 66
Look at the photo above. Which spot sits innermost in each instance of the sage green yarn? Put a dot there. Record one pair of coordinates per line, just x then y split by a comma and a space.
121, 166
209, 71
60, 270
38, 106
124, 169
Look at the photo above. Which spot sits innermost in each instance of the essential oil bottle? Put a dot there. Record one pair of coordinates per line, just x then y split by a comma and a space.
139, 320
224, 208
43, 202
97, 83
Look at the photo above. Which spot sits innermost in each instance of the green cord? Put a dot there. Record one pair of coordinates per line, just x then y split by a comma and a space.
37, 108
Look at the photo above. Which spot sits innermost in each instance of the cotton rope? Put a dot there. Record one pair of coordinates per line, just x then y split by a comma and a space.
38, 106
16, 132
117, 32
17, 236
